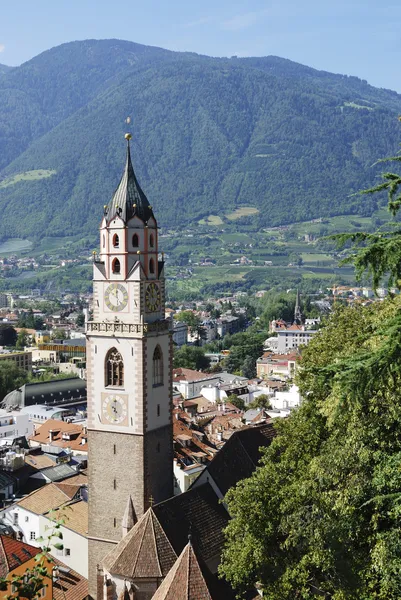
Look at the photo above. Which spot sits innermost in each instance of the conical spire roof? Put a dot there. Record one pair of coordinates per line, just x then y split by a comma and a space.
144, 552
185, 580
128, 199
129, 518
297, 312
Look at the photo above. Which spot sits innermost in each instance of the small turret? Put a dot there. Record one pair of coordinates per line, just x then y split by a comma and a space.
129, 518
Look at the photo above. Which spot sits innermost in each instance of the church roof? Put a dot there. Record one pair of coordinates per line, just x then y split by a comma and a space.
239, 456
129, 518
197, 512
128, 200
185, 580
144, 552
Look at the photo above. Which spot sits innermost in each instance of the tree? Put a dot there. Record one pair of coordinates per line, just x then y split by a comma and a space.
59, 334
11, 377
262, 401
22, 339
236, 401
80, 320
8, 335
320, 517
190, 357
248, 367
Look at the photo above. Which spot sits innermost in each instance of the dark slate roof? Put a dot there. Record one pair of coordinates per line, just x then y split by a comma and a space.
198, 513
128, 200
239, 456
53, 393
58, 472
144, 552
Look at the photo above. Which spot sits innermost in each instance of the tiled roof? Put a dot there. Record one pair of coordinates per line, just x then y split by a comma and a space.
197, 512
46, 498
144, 552
182, 374
39, 461
185, 580
13, 554
76, 517
69, 585
75, 431
239, 456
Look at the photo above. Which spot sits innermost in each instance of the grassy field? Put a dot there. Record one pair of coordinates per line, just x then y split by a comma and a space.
242, 211
211, 220
27, 176
14, 246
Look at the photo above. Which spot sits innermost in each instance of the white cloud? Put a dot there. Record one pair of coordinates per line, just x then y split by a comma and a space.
2, 47
198, 22
245, 20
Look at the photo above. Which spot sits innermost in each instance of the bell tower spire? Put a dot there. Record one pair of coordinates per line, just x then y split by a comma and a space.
129, 357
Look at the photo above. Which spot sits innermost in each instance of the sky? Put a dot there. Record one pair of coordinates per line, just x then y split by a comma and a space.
351, 37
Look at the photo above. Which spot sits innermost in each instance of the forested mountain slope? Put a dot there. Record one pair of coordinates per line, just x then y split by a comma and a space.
208, 135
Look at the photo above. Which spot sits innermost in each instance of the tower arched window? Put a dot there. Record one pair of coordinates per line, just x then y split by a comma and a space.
104, 240
116, 267
114, 368
157, 366
116, 241
152, 240
135, 241
151, 266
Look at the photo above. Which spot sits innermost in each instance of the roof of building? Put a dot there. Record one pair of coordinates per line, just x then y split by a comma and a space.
182, 374
144, 552
53, 392
185, 580
68, 584
74, 431
39, 461
14, 553
128, 200
239, 456
197, 512
58, 472
47, 498
76, 517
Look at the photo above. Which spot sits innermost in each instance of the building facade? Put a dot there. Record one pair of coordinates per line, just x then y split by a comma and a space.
129, 365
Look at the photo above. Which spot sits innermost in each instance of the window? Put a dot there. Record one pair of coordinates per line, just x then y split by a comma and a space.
104, 241
157, 366
26, 519
152, 240
151, 266
116, 267
114, 368
15, 517
135, 241
67, 552
33, 535
116, 241
158, 410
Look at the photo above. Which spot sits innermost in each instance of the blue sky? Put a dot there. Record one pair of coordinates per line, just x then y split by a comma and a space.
354, 37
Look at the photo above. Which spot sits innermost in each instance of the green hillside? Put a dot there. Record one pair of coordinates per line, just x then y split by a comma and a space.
210, 137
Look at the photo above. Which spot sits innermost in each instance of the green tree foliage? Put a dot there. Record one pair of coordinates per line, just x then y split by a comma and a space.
261, 401
190, 357
8, 335
11, 377
22, 339
293, 141
320, 517
236, 401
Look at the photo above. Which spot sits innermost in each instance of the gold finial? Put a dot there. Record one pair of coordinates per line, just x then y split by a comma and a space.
128, 137
138, 251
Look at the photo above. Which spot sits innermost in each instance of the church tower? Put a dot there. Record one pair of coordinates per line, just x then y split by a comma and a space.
129, 365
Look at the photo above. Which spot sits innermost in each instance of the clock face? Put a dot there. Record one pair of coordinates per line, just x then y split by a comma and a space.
116, 297
114, 409
152, 297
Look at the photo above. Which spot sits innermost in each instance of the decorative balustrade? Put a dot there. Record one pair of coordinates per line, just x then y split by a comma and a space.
119, 327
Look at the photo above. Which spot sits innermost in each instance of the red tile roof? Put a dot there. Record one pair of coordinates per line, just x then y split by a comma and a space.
14, 553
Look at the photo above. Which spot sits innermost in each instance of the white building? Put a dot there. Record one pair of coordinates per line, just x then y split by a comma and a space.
180, 333
293, 337
14, 424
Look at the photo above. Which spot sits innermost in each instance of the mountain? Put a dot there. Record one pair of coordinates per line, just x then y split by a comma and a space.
4, 69
209, 135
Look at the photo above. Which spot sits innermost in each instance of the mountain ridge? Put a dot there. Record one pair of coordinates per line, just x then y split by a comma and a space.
210, 134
